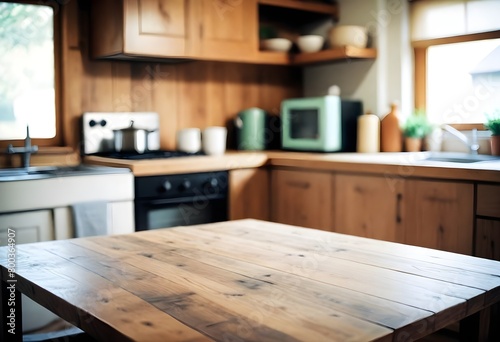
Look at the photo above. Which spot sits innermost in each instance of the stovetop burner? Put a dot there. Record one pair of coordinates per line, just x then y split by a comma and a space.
156, 154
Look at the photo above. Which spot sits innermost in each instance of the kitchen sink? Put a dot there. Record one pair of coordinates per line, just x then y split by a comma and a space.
457, 157
39, 172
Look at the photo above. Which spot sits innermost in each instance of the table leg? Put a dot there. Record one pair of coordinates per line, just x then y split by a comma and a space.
11, 328
476, 327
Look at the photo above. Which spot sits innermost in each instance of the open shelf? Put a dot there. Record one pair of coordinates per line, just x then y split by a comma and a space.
323, 56
330, 55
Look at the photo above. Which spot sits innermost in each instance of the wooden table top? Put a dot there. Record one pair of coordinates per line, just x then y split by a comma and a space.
252, 280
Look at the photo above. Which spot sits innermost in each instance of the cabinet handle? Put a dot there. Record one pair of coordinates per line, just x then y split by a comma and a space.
302, 185
398, 208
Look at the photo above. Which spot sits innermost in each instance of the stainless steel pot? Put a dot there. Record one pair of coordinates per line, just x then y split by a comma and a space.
131, 139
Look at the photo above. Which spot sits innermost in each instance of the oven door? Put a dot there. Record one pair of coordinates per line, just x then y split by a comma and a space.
164, 213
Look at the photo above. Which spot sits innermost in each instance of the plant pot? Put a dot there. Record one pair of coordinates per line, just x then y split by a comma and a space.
413, 144
495, 145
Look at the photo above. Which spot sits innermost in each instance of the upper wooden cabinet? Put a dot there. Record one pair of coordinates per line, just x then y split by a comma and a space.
222, 30
227, 29
193, 29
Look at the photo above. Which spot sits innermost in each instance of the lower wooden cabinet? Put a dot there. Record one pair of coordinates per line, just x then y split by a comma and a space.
302, 198
487, 239
426, 213
487, 243
249, 194
368, 206
439, 215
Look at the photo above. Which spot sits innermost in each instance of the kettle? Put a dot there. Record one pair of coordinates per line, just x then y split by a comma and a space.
250, 129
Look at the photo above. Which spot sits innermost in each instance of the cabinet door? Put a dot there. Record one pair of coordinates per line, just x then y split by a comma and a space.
249, 194
487, 239
439, 215
302, 198
30, 226
228, 29
368, 206
156, 27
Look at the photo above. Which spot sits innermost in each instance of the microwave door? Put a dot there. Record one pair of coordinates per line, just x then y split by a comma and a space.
304, 124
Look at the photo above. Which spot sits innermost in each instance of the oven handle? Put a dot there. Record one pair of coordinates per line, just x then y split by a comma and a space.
196, 199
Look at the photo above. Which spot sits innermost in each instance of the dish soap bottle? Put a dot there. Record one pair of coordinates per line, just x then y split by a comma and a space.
368, 133
391, 139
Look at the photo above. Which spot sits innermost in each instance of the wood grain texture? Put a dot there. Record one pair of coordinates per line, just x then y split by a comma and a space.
254, 281
439, 215
249, 194
488, 200
302, 198
487, 239
369, 206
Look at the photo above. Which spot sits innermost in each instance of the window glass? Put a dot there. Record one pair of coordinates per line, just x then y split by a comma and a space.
27, 95
463, 81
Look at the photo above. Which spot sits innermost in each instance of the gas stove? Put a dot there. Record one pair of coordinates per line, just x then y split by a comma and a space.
98, 136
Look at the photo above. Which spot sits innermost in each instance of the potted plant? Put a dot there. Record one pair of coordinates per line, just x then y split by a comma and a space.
493, 124
415, 128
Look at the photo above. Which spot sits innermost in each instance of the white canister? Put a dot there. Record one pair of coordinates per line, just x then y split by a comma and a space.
368, 133
214, 140
189, 140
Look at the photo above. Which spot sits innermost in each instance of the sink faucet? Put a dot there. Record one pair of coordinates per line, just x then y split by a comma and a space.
26, 151
472, 145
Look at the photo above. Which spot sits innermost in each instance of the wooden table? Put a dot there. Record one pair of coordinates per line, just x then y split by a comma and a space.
250, 280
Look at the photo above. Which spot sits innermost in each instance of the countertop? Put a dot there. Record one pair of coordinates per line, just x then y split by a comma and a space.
251, 280
394, 164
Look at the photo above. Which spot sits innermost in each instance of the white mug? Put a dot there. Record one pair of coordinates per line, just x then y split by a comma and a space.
189, 140
214, 140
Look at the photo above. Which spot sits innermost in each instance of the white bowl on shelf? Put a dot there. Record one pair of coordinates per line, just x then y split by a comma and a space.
277, 44
310, 43
351, 35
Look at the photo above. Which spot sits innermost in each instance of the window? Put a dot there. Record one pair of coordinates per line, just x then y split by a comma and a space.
457, 59
463, 81
27, 89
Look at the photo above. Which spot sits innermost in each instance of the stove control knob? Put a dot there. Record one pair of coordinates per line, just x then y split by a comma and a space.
212, 183
186, 185
167, 185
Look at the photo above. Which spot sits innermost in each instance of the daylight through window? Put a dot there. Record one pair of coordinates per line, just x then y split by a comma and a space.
27, 95
463, 81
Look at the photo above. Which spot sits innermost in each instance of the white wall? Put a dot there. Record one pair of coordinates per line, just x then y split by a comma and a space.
376, 82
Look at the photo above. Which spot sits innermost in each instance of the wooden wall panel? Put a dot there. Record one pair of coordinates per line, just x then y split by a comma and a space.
190, 94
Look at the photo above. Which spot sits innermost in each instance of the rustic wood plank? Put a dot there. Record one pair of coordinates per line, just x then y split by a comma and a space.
83, 291
219, 287
255, 281
375, 281
285, 288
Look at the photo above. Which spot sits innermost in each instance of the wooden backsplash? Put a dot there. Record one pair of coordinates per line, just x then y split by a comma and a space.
189, 94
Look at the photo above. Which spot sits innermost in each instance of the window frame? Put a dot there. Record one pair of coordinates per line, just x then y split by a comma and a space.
57, 140
420, 48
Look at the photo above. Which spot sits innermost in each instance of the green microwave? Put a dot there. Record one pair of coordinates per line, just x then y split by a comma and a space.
323, 124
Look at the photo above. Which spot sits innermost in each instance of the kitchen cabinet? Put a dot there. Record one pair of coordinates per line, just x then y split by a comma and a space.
439, 215
29, 227
203, 29
221, 30
302, 198
249, 194
488, 221
426, 213
368, 206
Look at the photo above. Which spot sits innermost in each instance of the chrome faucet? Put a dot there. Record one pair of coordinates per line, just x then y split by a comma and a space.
472, 145
26, 151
